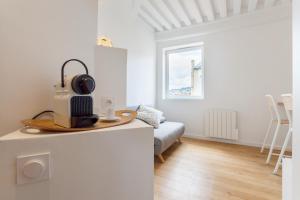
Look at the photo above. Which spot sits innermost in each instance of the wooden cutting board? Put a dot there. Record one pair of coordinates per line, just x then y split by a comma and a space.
126, 116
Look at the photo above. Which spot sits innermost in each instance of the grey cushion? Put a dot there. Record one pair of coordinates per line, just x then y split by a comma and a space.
135, 108
166, 135
150, 118
149, 115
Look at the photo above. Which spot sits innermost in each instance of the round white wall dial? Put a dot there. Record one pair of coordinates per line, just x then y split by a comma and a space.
33, 169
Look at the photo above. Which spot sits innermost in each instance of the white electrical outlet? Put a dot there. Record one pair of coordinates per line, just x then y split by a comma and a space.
33, 168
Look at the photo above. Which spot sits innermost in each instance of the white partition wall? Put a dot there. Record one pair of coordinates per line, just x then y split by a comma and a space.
111, 75
296, 114
117, 20
106, 164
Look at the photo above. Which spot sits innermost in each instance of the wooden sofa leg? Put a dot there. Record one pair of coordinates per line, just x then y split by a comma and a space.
161, 158
179, 140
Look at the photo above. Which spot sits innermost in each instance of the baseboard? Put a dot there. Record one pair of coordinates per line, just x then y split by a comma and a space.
203, 137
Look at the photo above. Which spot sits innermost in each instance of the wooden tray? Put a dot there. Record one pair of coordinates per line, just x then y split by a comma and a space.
126, 116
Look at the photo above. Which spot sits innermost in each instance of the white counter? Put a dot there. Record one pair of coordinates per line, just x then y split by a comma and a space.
110, 164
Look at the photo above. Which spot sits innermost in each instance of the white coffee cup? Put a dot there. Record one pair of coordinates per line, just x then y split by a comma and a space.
110, 113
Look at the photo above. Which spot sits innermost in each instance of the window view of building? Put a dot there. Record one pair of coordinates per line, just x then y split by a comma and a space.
184, 72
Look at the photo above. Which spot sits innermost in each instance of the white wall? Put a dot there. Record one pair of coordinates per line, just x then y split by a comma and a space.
242, 64
296, 88
36, 37
117, 20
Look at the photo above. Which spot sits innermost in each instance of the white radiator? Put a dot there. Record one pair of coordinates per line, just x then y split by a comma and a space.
221, 123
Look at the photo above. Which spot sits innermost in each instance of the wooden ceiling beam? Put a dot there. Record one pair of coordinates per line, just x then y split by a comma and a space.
194, 11
168, 14
157, 15
178, 9
252, 5
222, 8
237, 5
269, 3
208, 9
148, 19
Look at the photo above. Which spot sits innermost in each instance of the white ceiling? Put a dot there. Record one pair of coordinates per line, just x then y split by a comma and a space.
164, 15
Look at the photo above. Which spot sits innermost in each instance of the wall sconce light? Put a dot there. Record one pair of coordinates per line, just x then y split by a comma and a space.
104, 41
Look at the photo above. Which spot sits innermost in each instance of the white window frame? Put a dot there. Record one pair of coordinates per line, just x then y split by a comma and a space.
165, 78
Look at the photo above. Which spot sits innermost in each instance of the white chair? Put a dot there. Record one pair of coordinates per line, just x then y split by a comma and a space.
288, 105
275, 118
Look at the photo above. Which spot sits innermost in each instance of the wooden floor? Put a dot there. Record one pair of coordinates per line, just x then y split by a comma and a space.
203, 170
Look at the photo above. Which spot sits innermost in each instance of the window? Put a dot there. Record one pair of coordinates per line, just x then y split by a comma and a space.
184, 72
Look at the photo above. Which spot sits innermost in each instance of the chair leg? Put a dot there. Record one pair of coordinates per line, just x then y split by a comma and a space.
286, 141
161, 158
273, 143
179, 140
266, 136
